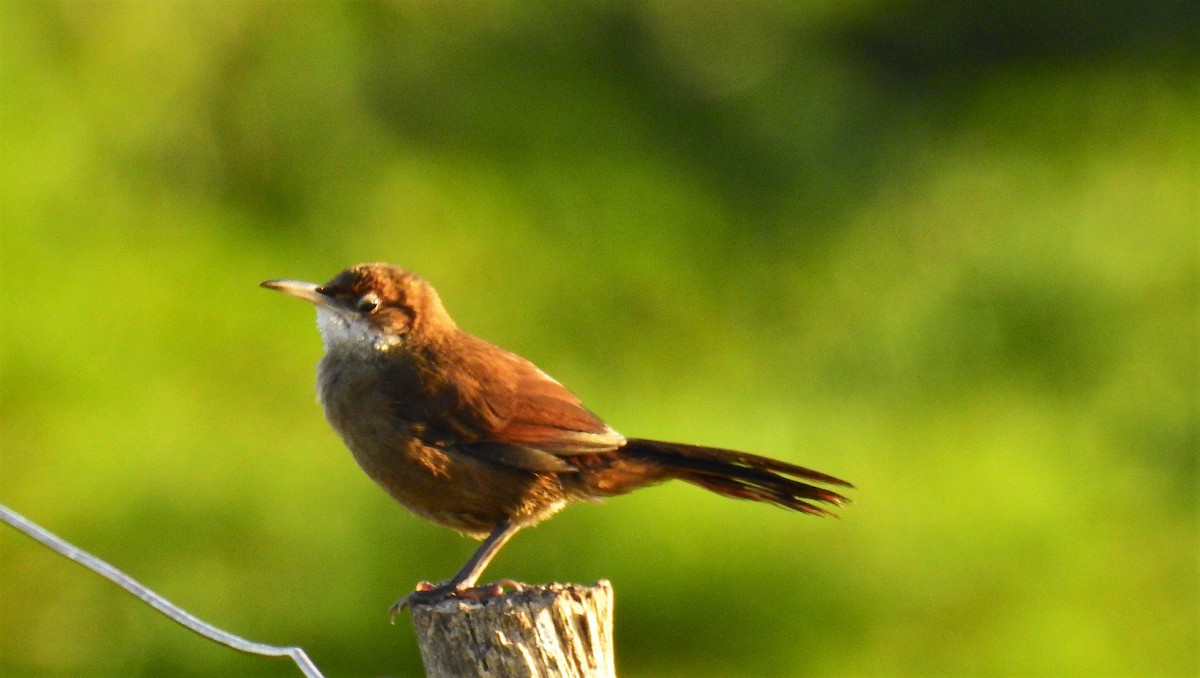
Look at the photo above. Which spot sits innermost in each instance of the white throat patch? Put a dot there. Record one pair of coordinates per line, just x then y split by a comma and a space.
341, 334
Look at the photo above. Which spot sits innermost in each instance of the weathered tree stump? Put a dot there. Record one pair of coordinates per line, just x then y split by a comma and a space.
536, 631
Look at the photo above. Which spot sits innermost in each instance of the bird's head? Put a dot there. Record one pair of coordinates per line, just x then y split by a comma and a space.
375, 306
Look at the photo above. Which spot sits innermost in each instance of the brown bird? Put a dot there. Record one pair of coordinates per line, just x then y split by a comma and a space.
478, 439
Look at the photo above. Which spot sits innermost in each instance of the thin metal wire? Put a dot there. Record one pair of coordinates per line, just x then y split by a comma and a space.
172, 611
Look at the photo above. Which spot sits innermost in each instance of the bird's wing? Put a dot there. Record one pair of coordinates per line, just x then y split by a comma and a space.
511, 412
544, 414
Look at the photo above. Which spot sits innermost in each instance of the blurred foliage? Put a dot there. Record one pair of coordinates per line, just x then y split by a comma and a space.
946, 250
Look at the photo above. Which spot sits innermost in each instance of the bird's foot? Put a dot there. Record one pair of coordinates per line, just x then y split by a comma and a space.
428, 594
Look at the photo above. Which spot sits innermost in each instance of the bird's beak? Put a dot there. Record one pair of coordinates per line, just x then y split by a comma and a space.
301, 290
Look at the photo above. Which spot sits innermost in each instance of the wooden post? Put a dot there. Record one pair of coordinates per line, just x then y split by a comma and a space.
536, 631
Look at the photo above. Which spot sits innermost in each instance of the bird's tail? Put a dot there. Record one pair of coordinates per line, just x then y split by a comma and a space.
741, 475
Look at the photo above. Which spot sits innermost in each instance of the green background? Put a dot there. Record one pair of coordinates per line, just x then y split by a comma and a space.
946, 250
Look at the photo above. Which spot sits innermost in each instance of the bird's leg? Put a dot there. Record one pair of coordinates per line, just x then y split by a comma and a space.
467, 575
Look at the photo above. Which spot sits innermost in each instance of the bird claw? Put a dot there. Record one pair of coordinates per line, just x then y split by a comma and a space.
426, 593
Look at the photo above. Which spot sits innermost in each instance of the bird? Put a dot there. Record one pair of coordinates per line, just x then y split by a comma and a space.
477, 439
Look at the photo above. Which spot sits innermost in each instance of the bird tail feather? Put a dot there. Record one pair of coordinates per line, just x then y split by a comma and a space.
741, 475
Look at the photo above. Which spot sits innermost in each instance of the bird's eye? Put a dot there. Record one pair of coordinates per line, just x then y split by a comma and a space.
367, 303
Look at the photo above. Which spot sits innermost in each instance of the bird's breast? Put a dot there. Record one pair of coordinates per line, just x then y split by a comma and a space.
433, 480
